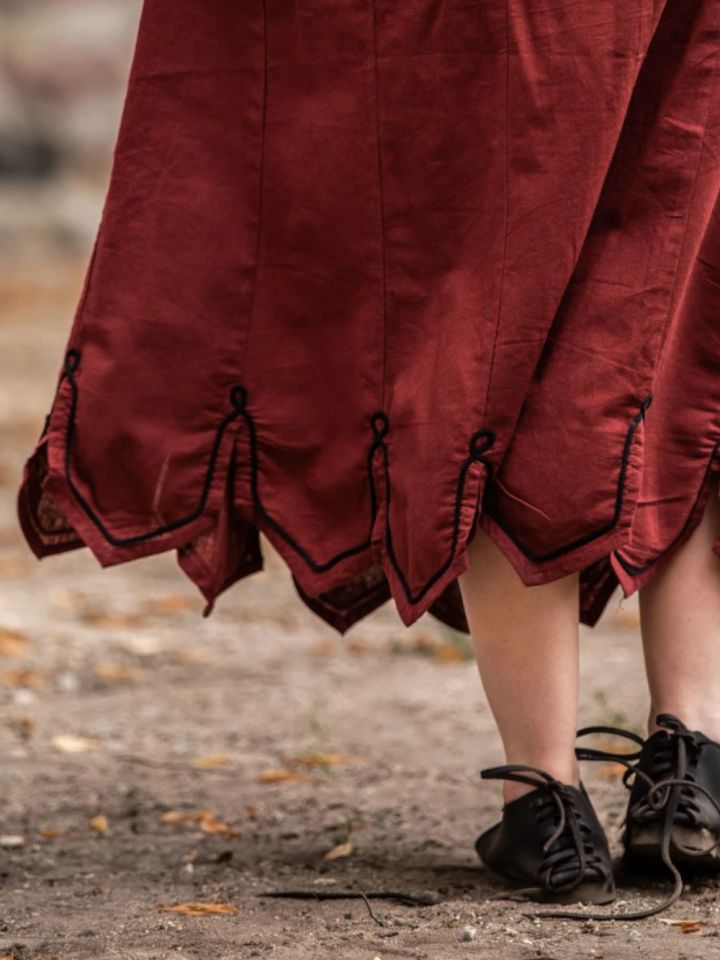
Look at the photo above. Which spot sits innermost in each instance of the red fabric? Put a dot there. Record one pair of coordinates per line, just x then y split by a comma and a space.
369, 274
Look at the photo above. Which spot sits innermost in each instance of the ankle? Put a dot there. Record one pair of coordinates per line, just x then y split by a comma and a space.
694, 716
563, 769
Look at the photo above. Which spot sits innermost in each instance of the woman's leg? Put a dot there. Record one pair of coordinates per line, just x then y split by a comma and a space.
680, 618
526, 643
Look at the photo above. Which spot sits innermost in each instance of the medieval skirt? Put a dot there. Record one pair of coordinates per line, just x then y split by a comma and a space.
373, 273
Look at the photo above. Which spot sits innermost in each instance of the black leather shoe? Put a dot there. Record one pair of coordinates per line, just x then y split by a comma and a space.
549, 845
690, 816
673, 813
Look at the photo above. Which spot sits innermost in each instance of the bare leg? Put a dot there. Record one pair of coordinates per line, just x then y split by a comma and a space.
526, 643
680, 617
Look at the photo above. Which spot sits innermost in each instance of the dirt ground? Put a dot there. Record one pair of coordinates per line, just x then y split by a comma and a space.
152, 758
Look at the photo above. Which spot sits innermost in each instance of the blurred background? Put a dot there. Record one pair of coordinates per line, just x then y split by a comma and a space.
64, 68
153, 758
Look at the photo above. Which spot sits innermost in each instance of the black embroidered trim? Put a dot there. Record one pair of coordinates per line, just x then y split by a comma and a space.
600, 531
72, 362
480, 442
635, 571
316, 565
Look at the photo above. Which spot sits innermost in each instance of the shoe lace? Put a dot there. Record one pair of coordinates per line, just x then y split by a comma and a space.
569, 854
669, 798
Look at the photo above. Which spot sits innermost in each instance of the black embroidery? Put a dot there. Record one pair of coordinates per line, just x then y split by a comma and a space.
316, 565
72, 362
594, 534
480, 444
635, 571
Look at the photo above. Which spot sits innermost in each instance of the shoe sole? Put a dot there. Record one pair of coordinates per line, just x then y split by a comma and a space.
597, 893
644, 852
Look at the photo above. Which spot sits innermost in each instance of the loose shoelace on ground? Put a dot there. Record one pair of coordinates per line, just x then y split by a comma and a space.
568, 847
668, 796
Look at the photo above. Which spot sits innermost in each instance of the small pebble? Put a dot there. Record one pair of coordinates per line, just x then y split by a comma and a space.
23, 697
11, 840
68, 682
468, 934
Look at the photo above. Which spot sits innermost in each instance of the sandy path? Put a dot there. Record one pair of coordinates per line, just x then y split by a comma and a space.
123, 659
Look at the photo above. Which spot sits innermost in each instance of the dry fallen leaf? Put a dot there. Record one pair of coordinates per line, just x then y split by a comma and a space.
611, 770
107, 618
212, 825
280, 776
448, 653
171, 603
325, 759
182, 816
341, 850
69, 743
116, 673
324, 648
100, 825
22, 678
49, 833
14, 567
209, 763
205, 819
63, 599
626, 618
189, 658
686, 926
13, 643
199, 909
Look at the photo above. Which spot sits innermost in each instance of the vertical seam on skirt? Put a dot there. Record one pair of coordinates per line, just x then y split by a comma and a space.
503, 267
261, 186
683, 240
381, 201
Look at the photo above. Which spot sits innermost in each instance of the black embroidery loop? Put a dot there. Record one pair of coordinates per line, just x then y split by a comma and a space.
72, 361
536, 557
239, 398
380, 424
480, 442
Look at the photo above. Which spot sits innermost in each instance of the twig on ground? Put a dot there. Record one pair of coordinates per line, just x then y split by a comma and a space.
370, 910
406, 899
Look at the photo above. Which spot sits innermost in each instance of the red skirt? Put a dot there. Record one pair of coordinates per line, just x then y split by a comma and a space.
371, 274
